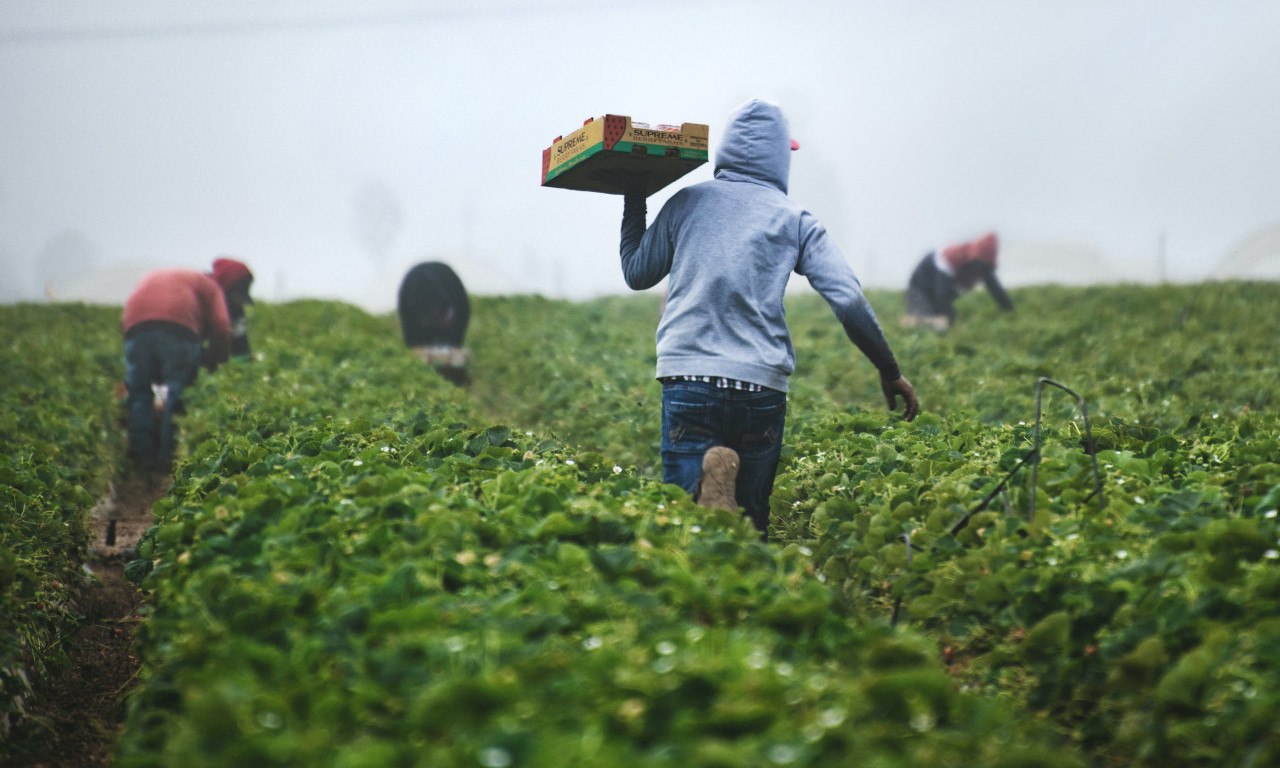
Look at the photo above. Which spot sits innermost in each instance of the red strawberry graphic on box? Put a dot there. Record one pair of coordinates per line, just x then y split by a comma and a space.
615, 126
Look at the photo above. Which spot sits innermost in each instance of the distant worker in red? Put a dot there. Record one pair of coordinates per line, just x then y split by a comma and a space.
167, 320
943, 275
236, 280
434, 312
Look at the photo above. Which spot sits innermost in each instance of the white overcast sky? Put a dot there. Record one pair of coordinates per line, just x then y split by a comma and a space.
133, 134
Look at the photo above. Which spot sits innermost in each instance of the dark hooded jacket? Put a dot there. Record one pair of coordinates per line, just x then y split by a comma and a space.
433, 306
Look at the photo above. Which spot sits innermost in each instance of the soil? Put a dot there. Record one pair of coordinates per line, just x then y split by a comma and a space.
73, 717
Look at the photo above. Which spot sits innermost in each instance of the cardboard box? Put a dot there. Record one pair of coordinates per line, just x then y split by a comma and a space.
585, 158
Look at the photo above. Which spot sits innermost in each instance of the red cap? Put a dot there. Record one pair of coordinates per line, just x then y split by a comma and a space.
228, 272
984, 249
794, 145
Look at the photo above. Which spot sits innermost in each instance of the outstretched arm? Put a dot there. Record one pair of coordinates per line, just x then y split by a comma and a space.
998, 293
830, 275
216, 352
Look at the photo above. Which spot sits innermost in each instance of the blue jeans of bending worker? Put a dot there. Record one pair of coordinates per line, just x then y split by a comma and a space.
156, 356
697, 416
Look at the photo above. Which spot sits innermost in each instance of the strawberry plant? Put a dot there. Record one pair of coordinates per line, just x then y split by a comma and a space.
58, 444
1052, 609
367, 582
362, 564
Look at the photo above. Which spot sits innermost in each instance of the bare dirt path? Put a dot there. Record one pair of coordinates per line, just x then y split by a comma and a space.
74, 717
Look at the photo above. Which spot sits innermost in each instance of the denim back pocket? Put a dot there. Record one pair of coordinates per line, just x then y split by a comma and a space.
692, 417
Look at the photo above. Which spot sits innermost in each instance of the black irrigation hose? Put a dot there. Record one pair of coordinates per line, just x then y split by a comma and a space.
897, 602
962, 522
959, 525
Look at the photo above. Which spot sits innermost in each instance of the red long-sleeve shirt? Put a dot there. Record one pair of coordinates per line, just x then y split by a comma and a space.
184, 297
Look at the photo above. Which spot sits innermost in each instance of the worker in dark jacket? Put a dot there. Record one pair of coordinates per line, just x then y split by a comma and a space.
943, 275
235, 279
167, 319
434, 312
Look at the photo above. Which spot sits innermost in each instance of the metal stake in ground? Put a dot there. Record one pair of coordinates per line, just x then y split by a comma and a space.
1035, 451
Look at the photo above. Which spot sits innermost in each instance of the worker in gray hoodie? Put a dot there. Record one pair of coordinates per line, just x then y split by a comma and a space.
728, 247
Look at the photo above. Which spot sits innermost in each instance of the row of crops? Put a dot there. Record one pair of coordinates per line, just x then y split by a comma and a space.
1138, 621
359, 564
58, 449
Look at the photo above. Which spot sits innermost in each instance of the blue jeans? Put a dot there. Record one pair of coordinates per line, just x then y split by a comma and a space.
156, 356
697, 416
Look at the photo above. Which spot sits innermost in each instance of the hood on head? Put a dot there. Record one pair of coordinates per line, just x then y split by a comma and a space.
756, 145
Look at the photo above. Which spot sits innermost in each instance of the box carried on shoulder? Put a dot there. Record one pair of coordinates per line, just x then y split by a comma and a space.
593, 157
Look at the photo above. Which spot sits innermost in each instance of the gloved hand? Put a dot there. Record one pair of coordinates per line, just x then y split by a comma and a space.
208, 359
901, 387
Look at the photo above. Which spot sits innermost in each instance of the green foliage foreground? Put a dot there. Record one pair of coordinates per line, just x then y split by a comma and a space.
371, 581
58, 445
1142, 624
359, 565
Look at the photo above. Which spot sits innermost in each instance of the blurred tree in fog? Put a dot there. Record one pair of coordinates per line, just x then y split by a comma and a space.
14, 286
65, 258
379, 217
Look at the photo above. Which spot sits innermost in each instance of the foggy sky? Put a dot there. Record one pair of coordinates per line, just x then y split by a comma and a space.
332, 144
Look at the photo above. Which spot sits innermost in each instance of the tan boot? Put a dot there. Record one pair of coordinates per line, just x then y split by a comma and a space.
719, 477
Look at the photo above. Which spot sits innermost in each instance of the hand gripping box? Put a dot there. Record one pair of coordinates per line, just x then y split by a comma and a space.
594, 157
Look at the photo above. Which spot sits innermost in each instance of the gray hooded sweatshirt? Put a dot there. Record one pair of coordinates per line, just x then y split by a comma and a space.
729, 246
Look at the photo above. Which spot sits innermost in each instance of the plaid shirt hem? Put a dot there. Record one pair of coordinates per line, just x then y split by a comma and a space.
719, 381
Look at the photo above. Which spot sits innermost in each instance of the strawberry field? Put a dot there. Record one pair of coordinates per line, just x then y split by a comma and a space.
361, 565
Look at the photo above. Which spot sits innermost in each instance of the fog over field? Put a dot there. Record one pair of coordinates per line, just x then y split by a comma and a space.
331, 144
